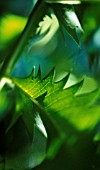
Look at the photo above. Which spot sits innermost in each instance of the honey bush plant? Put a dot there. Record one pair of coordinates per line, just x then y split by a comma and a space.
49, 85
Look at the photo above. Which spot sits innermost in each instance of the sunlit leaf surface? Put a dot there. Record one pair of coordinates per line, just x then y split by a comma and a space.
62, 103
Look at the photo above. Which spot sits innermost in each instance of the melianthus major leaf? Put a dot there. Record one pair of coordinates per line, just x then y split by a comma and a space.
5, 105
20, 106
39, 49
19, 133
24, 109
67, 18
70, 115
61, 104
48, 49
21, 154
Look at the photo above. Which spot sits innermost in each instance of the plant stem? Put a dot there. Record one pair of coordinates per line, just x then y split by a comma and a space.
34, 19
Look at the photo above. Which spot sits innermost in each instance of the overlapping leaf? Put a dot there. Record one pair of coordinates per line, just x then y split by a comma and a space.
19, 148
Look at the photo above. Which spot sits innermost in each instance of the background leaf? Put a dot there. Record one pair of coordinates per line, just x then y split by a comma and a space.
50, 49
67, 17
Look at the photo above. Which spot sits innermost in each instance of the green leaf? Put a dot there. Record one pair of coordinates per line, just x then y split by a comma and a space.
67, 18
24, 109
61, 104
28, 119
69, 114
89, 85
6, 95
19, 146
49, 49
20, 152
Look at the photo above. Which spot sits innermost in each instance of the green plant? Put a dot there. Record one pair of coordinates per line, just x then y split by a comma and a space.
49, 87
